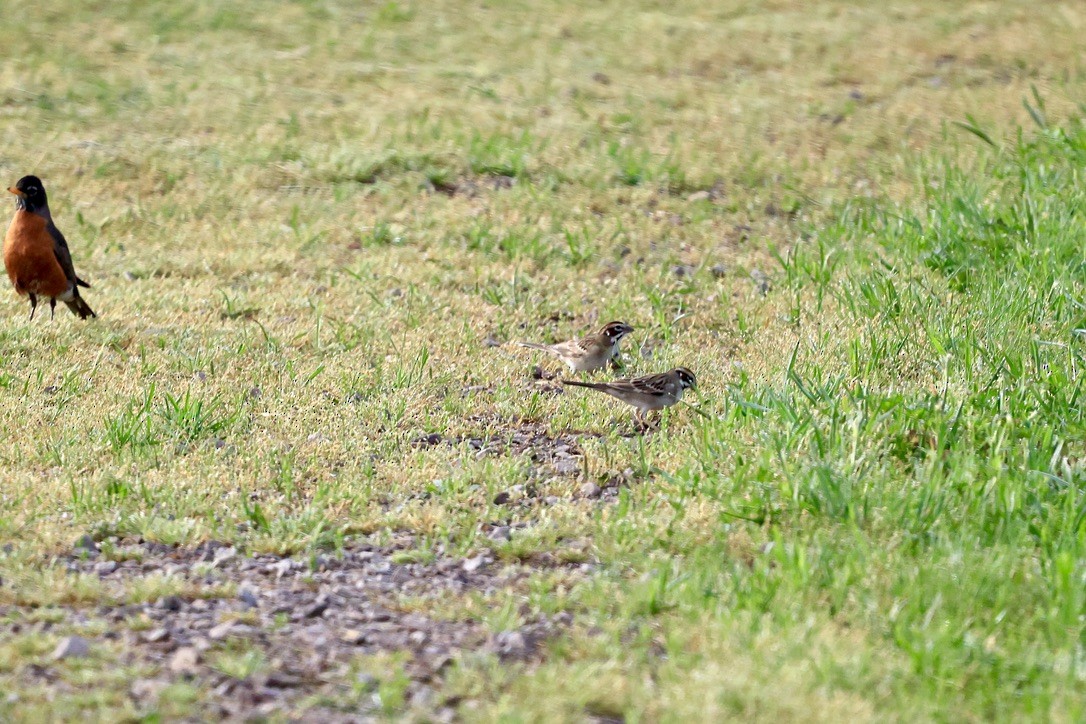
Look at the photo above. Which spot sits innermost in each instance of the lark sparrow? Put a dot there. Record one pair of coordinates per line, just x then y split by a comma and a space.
588, 353
651, 392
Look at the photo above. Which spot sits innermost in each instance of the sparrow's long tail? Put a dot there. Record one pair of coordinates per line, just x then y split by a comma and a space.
79, 307
533, 345
590, 385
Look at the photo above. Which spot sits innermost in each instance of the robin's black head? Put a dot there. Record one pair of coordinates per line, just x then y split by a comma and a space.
30, 193
686, 378
615, 331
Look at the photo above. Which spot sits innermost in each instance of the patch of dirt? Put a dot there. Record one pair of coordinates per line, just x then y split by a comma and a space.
550, 456
309, 619
559, 455
472, 186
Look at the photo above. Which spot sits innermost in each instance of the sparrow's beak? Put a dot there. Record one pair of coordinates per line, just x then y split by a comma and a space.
17, 192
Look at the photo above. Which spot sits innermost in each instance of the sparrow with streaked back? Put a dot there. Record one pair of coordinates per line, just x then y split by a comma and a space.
651, 392
590, 353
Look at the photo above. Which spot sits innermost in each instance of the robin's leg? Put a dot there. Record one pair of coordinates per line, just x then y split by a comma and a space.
52, 306
33, 305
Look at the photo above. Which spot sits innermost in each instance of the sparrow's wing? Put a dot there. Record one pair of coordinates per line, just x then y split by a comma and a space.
593, 344
584, 344
653, 385
64, 257
573, 348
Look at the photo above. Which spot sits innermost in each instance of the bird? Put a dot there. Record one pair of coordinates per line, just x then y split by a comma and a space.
651, 392
36, 254
590, 353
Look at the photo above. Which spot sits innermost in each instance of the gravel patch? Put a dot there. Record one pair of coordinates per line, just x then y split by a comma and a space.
308, 618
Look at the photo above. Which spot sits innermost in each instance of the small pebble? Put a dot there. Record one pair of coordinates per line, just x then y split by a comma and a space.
247, 597
223, 555
320, 605
184, 660
72, 647
352, 636
682, 270
170, 603
590, 490
510, 643
761, 281
283, 567
155, 635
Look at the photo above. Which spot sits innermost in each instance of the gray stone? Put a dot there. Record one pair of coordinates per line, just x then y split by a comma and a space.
590, 490
510, 643
72, 647
761, 281
247, 597
170, 603
283, 567
156, 634
223, 555
104, 568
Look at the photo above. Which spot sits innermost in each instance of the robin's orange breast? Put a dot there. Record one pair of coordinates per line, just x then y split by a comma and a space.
29, 257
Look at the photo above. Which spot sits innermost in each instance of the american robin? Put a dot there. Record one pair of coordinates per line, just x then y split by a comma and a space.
36, 254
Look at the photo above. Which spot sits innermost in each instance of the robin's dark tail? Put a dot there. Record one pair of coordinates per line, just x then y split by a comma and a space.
80, 283
80, 308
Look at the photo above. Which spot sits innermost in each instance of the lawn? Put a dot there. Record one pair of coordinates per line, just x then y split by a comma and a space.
298, 468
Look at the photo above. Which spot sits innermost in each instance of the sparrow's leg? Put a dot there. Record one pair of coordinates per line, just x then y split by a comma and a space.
33, 305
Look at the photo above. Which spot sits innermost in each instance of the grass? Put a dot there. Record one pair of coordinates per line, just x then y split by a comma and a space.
301, 225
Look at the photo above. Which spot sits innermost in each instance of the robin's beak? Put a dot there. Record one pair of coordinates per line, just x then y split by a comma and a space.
17, 192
